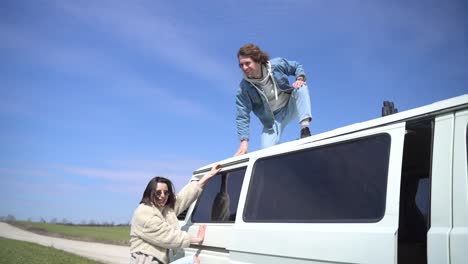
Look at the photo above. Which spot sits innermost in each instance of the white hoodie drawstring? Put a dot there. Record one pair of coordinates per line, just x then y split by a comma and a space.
273, 80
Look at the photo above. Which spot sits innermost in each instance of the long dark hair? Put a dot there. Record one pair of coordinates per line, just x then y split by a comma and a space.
254, 52
149, 196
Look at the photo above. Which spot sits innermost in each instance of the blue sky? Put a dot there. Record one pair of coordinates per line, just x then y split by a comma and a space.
97, 97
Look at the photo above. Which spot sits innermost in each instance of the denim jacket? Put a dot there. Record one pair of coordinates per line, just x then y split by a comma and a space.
249, 99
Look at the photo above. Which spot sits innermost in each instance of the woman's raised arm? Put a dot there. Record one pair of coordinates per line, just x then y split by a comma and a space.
214, 170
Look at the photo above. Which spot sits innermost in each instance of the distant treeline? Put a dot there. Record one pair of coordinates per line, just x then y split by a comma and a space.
64, 221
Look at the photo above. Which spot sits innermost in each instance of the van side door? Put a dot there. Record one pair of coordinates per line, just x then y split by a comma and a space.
333, 200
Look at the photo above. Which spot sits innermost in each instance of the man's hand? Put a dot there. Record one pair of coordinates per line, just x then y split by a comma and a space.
298, 83
243, 148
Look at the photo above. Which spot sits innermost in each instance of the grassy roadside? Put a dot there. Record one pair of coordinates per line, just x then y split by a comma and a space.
14, 251
117, 235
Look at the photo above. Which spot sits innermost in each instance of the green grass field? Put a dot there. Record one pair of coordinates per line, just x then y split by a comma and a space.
19, 252
107, 234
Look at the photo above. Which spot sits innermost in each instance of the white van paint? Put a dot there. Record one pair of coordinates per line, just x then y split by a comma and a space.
426, 189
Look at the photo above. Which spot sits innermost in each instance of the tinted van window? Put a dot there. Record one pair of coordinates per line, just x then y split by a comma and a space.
343, 182
218, 202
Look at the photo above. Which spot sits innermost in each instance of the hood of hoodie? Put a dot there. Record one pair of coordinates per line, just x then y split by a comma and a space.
266, 72
268, 88
266, 75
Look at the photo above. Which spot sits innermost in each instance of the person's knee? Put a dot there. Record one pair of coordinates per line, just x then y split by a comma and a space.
269, 138
268, 142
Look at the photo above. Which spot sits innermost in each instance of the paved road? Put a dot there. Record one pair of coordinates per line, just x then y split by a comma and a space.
101, 252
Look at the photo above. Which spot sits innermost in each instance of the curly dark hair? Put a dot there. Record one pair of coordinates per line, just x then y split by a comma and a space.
254, 52
149, 196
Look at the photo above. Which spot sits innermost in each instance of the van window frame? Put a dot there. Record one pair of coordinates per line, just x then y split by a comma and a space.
383, 204
214, 180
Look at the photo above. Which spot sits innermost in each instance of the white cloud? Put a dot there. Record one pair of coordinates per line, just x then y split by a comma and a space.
90, 63
108, 174
150, 29
129, 176
115, 176
36, 179
12, 172
155, 98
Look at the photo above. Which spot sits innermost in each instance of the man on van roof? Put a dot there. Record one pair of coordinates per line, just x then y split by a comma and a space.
266, 91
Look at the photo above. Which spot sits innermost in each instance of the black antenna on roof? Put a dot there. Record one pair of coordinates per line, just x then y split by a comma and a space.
388, 108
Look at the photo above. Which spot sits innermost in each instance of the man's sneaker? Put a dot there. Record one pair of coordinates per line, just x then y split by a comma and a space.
305, 132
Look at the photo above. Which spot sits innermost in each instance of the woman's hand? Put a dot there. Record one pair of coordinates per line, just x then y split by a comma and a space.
201, 235
201, 232
214, 170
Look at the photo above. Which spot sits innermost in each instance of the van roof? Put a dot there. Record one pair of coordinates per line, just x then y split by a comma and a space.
439, 107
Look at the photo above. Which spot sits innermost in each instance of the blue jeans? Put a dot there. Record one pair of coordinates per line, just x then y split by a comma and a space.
184, 260
297, 107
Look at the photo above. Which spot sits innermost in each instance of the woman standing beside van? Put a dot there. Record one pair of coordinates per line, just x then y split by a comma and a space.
155, 227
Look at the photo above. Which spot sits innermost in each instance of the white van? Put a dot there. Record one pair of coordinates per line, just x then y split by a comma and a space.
389, 190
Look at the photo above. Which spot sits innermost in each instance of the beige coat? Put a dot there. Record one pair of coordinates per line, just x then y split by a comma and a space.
155, 231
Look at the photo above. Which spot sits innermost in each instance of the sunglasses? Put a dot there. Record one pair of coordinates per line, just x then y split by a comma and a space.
159, 192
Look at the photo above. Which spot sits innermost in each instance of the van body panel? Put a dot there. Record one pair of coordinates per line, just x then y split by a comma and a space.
248, 258
375, 244
441, 192
459, 233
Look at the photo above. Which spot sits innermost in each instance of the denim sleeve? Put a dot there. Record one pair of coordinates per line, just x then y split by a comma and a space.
244, 107
292, 68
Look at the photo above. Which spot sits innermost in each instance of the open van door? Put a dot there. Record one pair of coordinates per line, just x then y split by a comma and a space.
333, 199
